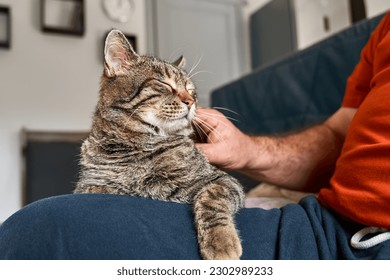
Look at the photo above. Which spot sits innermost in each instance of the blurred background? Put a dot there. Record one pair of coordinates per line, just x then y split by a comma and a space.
51, 55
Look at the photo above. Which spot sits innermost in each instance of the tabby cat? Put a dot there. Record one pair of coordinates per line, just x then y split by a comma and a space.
141, 144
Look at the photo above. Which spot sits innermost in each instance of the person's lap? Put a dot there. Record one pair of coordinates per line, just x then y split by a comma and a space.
121, 227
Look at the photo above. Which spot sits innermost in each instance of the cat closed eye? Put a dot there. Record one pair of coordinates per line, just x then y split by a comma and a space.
168, 86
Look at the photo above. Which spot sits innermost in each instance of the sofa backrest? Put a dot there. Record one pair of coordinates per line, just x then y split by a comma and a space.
299, 90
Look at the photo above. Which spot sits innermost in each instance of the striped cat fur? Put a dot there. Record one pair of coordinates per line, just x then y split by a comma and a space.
141, 144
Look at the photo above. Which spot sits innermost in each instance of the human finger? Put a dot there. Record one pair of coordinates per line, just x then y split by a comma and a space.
204, 122
209, 151
208, 119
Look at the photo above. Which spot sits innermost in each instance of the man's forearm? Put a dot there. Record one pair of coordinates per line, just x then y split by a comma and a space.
300, 161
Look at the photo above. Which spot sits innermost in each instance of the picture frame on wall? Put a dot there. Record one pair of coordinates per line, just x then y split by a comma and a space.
5, 27
63, 17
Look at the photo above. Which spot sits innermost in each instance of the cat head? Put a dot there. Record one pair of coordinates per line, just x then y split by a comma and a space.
155, 95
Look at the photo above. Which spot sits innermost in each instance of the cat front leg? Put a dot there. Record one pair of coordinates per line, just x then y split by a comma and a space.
214, 208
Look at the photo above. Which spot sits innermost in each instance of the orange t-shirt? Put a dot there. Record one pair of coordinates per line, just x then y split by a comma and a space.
360, 187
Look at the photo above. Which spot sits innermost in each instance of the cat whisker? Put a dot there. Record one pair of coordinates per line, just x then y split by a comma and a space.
195, 65
199, 72
211, 115
129, 118
204, 123
226, 109
200, 131
217, 134
198, 81
136, 110
178, 51
216, 119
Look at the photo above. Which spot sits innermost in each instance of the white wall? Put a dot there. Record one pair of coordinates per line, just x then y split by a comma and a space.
376, 7
49, 82
309, 17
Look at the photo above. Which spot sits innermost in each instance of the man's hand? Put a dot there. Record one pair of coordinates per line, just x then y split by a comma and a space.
226, 146
298, 161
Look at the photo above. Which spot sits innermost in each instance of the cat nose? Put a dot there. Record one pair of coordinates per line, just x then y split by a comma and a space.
186, 98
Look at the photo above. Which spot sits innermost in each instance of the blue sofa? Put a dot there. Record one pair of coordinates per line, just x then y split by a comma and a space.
299, 90
290, 94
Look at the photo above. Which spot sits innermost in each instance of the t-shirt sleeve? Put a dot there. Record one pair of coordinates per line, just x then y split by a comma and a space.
360, 187
359, 82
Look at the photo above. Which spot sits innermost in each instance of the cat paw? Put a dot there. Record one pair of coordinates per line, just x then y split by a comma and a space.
222, 243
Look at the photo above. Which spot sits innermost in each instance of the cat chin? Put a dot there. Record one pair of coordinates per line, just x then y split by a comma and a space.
177, 127
180, 126
191, 113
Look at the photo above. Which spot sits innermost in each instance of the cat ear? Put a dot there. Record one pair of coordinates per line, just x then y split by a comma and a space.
118, 53
180, 62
